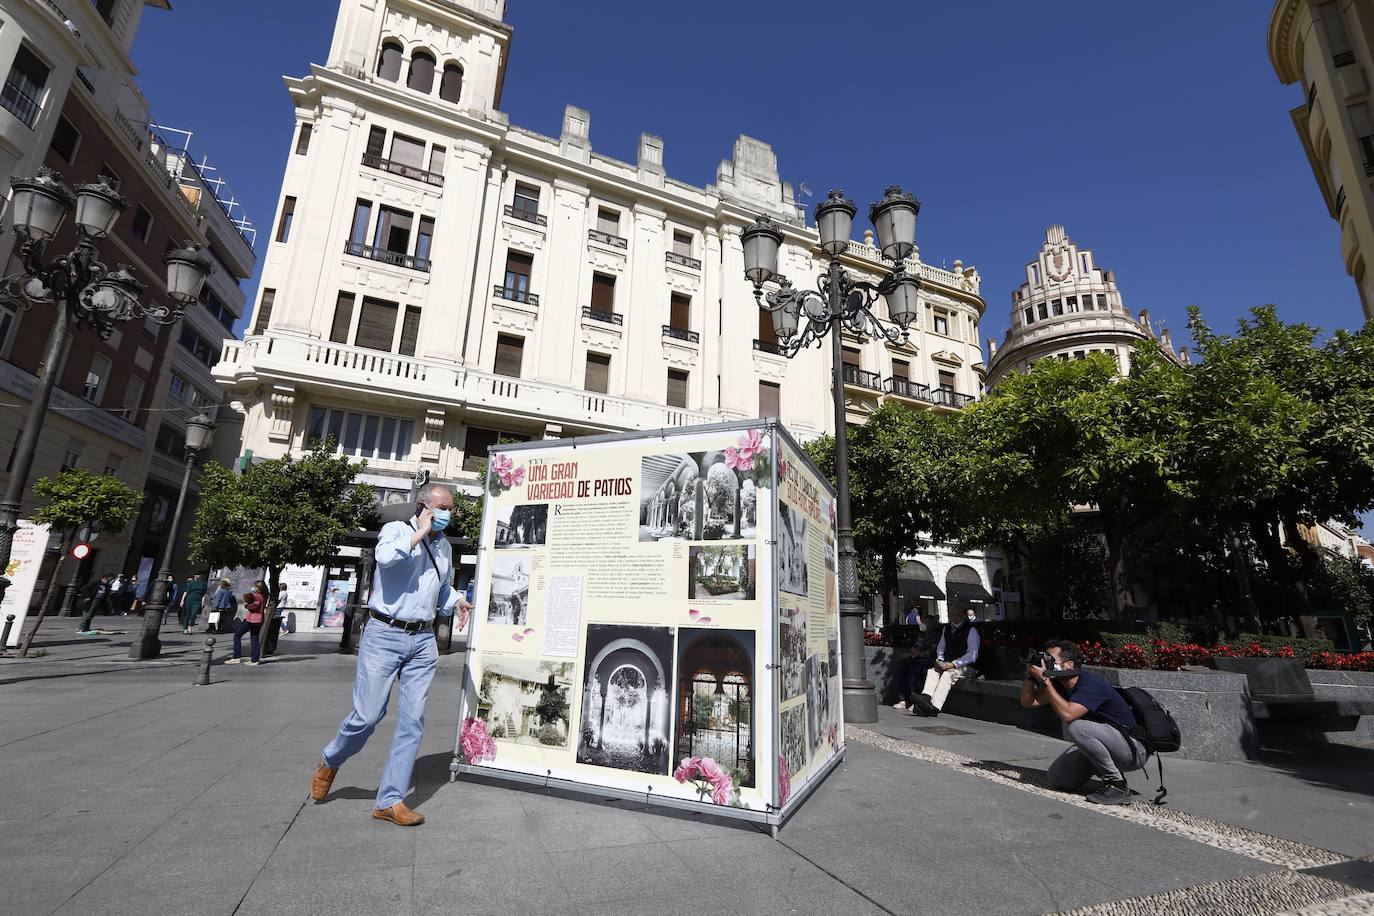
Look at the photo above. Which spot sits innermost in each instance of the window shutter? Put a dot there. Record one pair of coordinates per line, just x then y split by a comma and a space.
603, 293
677, 388
264, 311
376, 141
766, 332
410, 330
598, 372
510, 351
376, 324
408, 151
850, 356
680, 312
770, 397
343, 318
901, 369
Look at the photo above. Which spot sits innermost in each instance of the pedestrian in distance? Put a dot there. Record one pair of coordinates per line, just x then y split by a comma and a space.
192, 597
99, 604
414, 567
225, 606
254, 613
118, 589
173, 598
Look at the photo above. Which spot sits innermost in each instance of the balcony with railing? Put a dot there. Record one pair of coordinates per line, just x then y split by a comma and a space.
526, 214
387, 256
768, 346
682, 260
405, 171
906, 388
511, 294
19, 103
592, 314
605, 238
682, 334
948, 397
859, 378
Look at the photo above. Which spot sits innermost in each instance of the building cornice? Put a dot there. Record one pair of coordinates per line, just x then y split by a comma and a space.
1284, 51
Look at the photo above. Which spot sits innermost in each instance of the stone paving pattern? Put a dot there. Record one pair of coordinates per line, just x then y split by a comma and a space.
128, 790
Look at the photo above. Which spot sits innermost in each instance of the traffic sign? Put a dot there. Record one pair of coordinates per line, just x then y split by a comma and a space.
81, 551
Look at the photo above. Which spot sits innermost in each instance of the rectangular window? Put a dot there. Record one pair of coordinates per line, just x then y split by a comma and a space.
1363, 128
510, 353
424, 237
946, 380
133, 398
376, 141
96, 378
526, 201
1035, 275
680, 312
901, 369
603, 293
408, 151
1029, 315
65, 139
198, 347
767, 334
1101, 302
608, 221
437, 154
303, 139
1057, 307
361, 435
682, 243
1043, 311
264, 316
598, 374
23, 92
376, 324
1083, 260
850, 357
72, 456
475, 446
1077, 354
940, 323
677, 388
288, 213
343, 319
362, 215
113, 465
770, 397
1337, 41
518, 268
142, 224
9, 319
393, 230
106, 9
171, 441
179, 389
410, 330
200, 400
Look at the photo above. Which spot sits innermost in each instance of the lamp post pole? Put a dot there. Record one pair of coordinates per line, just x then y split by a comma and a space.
199, 430
81, 291
841, 303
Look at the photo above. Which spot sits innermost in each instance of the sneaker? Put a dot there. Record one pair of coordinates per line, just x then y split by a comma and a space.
901, 705
254, 664
1112, 793
233, 661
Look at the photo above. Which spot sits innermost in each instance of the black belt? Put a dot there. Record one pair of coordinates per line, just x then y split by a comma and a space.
410, 626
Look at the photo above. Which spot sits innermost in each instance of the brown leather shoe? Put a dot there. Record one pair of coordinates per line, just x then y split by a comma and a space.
321, 780
400, 814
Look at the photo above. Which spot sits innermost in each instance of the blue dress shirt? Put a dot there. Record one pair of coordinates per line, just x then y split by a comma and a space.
405, 585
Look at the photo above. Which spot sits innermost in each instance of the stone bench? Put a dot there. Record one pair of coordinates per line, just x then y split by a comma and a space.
1281, 692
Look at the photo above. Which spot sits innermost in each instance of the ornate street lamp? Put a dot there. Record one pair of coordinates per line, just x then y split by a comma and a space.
200, 431
81, 291
841, 302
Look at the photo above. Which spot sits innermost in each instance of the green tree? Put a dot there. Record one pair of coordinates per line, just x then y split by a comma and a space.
280, 512
72, 499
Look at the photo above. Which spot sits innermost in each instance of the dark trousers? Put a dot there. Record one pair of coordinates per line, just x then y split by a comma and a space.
252, 630
911, 671
95, 606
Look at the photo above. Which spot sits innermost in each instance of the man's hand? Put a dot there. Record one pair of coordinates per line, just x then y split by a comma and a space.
424, 524
1035, 672
463, 608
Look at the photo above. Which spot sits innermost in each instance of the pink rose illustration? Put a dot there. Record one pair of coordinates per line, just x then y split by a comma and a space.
784, 781
687, 769
834, 735
505, 474
477, 744
740, 457
709, 777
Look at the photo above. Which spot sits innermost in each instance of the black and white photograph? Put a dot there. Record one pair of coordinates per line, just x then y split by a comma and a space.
832, 652
696, 496
510, 589
817, 701
626, 688
526, 700
792, 651
521, 526
715, 699
792, 739
791, 550
724, 572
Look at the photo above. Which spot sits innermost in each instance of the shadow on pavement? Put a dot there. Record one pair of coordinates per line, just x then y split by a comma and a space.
1332, 766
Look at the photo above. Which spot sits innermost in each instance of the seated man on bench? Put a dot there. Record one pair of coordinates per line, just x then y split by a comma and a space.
912, 668
959, 643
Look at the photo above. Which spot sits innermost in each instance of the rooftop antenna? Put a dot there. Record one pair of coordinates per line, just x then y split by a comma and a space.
803, 189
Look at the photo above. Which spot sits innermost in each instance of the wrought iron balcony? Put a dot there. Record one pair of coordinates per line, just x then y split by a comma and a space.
767, 346
603, 317
399, 168
529, 216
906, 388
386, 256
1343, 59
1340, 200
853, 375
515, 295
672, 257
605, 238
683, 334
19, 103
948, 397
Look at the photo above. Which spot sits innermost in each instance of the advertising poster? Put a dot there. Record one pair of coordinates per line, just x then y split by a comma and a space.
26, 557
336, 596
811, 723
302, 586
624, 621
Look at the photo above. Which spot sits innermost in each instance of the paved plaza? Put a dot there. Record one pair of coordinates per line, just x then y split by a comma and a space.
127, 790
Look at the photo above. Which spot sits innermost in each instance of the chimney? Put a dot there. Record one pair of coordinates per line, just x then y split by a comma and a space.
992, 348
1166, 340
1183, 356
1144, 321
575, 142
651, 159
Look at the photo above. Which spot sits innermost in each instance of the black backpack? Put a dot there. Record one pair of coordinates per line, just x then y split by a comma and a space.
1155, 728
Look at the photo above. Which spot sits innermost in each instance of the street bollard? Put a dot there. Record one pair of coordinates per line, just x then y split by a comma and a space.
203, 678
5, 634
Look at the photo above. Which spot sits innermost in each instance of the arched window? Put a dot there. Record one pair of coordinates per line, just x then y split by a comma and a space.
451, 85
421, 77
389, 61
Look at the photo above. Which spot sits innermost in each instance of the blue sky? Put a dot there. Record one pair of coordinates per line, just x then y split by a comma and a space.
1156, 133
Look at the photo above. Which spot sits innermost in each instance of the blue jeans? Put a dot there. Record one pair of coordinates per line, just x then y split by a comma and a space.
384, 655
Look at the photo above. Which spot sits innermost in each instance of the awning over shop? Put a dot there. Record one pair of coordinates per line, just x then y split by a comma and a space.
962, 594
919, 589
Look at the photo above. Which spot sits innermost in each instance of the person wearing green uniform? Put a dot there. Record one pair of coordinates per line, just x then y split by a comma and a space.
191, 598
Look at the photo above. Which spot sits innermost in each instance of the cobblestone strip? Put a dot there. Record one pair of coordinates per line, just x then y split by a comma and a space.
1271, 849
1358, 905
1243, 896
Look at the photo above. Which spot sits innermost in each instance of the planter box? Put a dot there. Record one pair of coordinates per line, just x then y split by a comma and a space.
1212, 708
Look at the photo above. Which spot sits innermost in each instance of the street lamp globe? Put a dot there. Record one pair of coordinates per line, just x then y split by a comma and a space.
894, 219
835, 221
114, 296
187, 270
761, 242
97, 207
200, 431
901, 299
40, 204
785, 321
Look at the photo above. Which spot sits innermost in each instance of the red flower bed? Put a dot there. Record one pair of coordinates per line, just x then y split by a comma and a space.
1166, 656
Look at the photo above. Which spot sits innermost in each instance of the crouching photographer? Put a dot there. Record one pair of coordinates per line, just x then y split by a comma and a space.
1095, 718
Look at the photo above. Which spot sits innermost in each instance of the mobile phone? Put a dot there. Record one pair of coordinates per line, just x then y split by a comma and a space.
420, 507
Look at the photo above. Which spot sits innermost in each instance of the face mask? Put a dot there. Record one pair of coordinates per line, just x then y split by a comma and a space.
441, 519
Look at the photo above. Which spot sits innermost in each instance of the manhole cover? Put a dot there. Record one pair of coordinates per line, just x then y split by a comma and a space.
939, 730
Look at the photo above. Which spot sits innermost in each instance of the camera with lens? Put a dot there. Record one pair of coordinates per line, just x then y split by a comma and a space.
1048, 662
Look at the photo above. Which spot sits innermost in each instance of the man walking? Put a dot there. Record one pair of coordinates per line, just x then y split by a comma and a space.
414, 566
99, 603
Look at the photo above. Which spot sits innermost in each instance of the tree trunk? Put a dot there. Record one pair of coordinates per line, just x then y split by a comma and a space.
1116, 563
1240, 566
889, 577
49, 600
270, 627
1280, 561
1308, 561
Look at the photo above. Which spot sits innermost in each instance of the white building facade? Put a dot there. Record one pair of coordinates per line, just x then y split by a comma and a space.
438, 279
